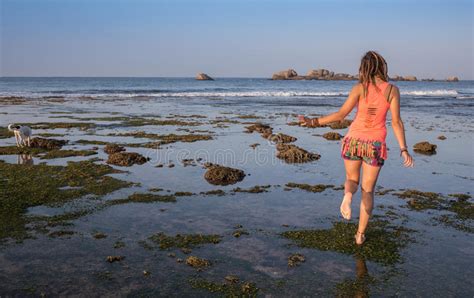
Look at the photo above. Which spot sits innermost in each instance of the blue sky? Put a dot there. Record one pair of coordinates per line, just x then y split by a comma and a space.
232, 38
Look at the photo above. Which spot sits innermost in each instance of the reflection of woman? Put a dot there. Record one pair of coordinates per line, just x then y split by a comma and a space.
364, 144
25, 159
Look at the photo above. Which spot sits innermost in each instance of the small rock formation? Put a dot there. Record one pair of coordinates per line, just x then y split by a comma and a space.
285, 74
425, 148
452, 79
113, 148
340, 124
281, 138
112, 259
203, 77
48, 144
197, 262
332, 135
295, 260
410, 78
126, 159
264, 130
405, 78
295, 154
441, 137
314, 74
220, 175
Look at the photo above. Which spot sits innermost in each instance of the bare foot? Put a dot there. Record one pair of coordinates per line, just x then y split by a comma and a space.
346, 206
359, 238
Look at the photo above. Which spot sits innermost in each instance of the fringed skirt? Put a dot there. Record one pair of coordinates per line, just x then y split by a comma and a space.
373, 152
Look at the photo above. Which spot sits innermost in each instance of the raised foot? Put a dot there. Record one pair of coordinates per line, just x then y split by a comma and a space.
346, 206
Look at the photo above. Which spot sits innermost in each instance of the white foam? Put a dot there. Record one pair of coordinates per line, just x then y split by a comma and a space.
441, 92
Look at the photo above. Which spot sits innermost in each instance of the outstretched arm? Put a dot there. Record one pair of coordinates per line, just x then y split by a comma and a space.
398, 127
345, 109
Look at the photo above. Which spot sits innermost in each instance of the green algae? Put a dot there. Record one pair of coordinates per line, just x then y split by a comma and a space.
49, 134
63, 125
217, 192
14, 150
358, 287
143, 198
383, 243
147, 121
310, 188
197, 262
152, 145
5, 133
419, 200
231, 289
462, 208
91, 142
166, 139
61, 233
163, 241
255, 189
67, 153
183, 194
25, 186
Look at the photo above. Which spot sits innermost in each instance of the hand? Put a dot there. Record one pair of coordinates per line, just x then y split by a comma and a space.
407, 160
308, 122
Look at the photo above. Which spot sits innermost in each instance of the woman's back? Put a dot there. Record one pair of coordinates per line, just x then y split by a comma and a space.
369, 122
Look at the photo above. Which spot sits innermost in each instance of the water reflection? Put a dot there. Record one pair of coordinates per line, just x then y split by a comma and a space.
358, 286
25, 159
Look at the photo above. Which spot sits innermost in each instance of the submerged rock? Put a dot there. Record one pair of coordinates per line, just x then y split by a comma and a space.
203, 77
112, 259
49, 144
197, 262
425, 148
295, 154
126, 159
113, 148
220, 175
264, 129
281, 138
295, 260
332, 135
340, 124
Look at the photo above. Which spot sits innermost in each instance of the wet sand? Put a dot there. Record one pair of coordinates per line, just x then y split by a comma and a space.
123, 238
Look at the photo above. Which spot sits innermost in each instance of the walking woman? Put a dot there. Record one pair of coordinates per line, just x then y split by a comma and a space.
364, 144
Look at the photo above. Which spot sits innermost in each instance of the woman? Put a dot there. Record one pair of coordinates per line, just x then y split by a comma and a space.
364, 144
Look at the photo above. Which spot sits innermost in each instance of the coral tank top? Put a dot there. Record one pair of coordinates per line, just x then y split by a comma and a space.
369, 123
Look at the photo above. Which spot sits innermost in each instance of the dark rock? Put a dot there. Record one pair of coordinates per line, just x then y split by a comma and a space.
126, 159
285, 74
295, 154
220, 175
333, 136
203, 77
113, 148
281, 138
47, 143
425, 148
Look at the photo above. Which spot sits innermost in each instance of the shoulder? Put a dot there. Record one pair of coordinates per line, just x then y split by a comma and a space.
357, 88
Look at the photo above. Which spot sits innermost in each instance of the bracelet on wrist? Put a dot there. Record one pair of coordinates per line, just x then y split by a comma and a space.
403, 150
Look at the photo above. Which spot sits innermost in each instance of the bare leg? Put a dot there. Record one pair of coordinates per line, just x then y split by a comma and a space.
350, 186
369, 179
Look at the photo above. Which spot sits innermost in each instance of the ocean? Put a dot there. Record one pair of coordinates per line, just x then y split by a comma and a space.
74, 222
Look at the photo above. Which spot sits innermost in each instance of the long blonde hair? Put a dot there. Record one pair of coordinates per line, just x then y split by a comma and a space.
372, 65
